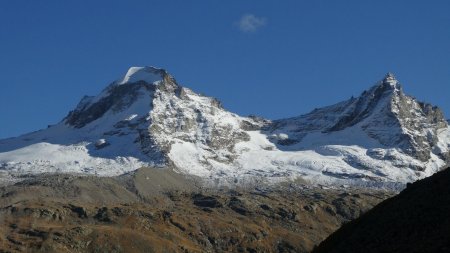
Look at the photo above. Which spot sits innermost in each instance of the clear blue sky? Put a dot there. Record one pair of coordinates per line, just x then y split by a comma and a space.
270, 58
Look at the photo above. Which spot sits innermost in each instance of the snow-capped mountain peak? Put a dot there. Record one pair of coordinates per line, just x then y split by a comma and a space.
384, 113
383, 137
138, 83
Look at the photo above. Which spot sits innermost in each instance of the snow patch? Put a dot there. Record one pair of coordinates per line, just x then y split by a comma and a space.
146, 74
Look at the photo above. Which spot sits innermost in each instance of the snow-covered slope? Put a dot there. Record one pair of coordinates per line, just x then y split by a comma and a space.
136, 121
382, 138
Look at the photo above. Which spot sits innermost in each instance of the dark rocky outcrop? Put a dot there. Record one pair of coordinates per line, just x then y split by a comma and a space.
206, 201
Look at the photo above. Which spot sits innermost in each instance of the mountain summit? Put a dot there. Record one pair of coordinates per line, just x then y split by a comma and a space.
145, 74
384, 113
390, 79
381, 138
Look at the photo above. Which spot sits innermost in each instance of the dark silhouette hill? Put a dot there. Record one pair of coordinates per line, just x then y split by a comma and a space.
416, 220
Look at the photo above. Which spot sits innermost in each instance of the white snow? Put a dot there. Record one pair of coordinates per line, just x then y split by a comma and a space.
46, 157
100, 143
260, 158
131, 117
146, 74
279, 136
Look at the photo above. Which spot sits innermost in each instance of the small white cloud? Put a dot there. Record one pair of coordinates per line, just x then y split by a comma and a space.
250, 23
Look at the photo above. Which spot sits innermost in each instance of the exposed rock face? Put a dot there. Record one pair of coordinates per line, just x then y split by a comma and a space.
184, 116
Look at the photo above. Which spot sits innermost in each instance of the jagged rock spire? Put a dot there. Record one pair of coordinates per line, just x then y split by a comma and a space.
389, 76
390, 79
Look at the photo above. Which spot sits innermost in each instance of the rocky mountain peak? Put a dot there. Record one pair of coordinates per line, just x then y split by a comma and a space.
138, 82
390, 78
387, 86
383, 112
375, 102
395, 119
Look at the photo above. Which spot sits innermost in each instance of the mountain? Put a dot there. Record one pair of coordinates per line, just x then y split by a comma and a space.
144, 118
416, 220
383, 113
381, 138
382, 132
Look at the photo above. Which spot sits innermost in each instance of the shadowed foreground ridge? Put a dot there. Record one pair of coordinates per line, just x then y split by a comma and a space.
416, 220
